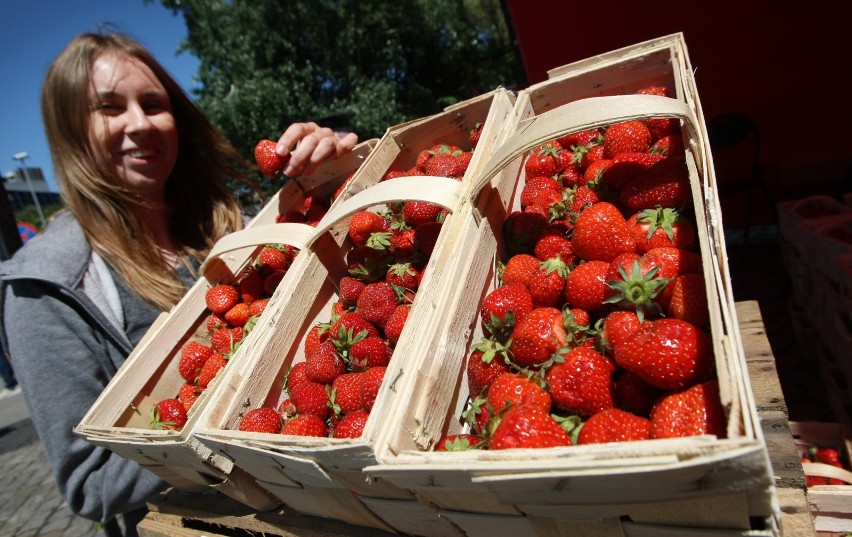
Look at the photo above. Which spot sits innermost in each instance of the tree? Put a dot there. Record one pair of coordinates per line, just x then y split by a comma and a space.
368, 64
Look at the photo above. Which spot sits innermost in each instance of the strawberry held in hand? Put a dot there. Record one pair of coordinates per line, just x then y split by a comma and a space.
269, 162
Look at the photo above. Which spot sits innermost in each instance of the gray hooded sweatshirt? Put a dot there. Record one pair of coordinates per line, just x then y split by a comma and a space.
67, 324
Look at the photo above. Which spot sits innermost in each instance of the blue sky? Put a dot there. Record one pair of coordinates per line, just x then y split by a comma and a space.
35, 32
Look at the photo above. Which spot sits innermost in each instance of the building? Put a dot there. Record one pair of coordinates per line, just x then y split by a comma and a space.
19, 193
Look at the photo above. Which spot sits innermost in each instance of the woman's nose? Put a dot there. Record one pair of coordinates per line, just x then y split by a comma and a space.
137, 119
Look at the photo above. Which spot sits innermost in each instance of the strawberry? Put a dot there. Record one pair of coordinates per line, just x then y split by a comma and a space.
614, 425
324, 363
514, 390
351, 425
345, 396
371, 382
273, 258
487, 360
251, 287
667, 353
192, 358
271, 281
555, 244
537, 337
475, 134
601, 233
226, 340
305, 425
364, 224
694, 411
585, 286
665, 184
369, 352
376, 303
168, 415
616, 327
528, 428
582, 384
222, 297
257, 307
426, 236
211, 368
688, 300
629, 136
269, 162
353, 323
367, 264
660, 91
574, 140
521, 231
547, 283
296, 375
635, 287
658, 227
238, 315
544, 160
540, 190
188, 395
826, 455
449, 161
504, 307
520, 268
396, 322
670, 145
625, 166
310, 398
458, 442
214, 322
635, 395
403, 275
261, 420
349, 290
416, 213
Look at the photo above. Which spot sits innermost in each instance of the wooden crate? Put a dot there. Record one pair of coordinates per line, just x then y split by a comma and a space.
323, 476
830, 505
118, 420
686, 486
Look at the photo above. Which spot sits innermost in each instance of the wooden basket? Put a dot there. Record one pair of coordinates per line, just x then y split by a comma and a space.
324, 476
830, 505
686, 486
118, 420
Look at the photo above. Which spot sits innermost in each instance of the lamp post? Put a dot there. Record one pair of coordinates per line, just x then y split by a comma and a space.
22, 157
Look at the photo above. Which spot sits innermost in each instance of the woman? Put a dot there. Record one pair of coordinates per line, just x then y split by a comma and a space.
143, 174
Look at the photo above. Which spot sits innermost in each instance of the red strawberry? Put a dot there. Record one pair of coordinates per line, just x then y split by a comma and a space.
694, 411
188, 395
670, 145
658, 227
324, 363
353, 323
426, 236
660, 91
310, 398
554, 244
528, 428
371, 382
510, 389
168, 415
487, 361
582, 138
364, 224
211, 368
614, 425
540, 190
520, 268
226, 340
475, 135
251, 287
625, 166
458, 442
270, 283
449, 161
296, 375
376, 303
595, 172
214, 322
345, 395
504, 307
349, 290
369, 352
522, 229
585, 286
396, 322
273, 258
257, 307
261, 420
222, 297
689, 300
547, 283
635, 395
667, 353
618, 326
404, 275
269, 162
582, 384
305, 425
601, 233
416, 213
192, 358
238, 315
665, 184
826, 455
351, 425
537, 337
543, 160
629, 136
635, 286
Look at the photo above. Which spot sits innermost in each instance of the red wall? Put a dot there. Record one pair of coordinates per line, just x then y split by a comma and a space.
785, 64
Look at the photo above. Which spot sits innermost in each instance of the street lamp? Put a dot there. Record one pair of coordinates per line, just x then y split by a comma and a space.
22, 157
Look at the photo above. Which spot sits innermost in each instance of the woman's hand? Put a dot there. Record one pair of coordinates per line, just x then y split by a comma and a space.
307, 145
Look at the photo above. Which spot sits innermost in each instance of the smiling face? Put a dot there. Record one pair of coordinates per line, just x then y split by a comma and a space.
132, 124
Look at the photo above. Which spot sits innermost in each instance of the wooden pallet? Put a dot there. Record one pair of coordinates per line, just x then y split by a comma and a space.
177, 514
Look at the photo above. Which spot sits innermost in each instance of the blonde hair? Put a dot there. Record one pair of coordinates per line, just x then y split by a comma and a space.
202, 209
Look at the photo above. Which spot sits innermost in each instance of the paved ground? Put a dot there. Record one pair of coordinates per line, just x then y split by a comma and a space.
30, 504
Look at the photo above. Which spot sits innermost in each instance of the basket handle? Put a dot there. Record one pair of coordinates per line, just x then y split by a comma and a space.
577, 116
826, 470
296, 235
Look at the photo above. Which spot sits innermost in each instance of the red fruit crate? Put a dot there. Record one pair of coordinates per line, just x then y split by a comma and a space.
830, 505
681, 486
323, 476
119, 419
